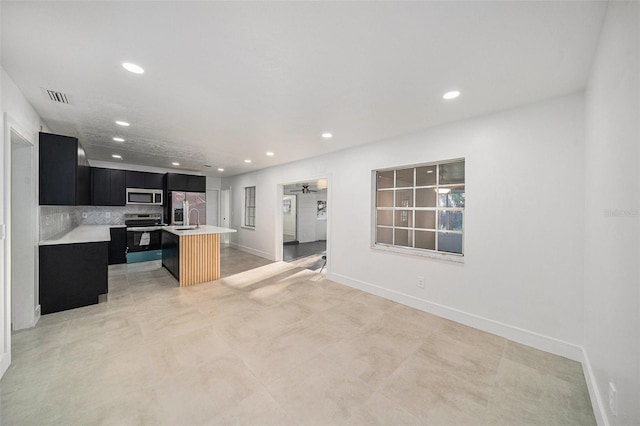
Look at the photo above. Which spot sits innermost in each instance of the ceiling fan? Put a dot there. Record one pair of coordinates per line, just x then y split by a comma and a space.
305, 189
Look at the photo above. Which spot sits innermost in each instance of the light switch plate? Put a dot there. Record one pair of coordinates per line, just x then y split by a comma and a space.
3, 231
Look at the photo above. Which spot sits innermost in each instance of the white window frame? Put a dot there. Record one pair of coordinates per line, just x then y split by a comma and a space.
455, 257
249, 220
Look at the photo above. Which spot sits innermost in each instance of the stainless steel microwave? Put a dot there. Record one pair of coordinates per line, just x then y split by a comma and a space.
152, 197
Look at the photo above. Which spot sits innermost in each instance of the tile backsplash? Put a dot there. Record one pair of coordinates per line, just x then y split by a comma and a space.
58, 220
103, 215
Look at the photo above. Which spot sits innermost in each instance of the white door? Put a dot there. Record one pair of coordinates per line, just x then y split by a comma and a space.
226, 212
213, 198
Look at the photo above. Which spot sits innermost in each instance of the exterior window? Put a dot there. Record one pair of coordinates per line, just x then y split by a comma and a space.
250, 206
420, 208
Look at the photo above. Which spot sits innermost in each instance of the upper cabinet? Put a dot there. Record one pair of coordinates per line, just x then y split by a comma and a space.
188, 183
65, 175
145, 180
107, 187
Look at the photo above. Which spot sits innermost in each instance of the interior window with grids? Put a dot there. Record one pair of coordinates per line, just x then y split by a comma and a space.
250, 206
421, 208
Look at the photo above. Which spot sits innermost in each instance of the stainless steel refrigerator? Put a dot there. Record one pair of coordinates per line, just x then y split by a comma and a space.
185, 208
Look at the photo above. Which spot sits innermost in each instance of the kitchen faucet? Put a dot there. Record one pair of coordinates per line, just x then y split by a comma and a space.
197, 216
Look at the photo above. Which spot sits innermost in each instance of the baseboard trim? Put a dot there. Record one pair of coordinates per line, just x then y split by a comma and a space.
599, 409
516, 334
253, 251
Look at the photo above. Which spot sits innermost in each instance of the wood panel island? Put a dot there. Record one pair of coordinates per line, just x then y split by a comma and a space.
192, 254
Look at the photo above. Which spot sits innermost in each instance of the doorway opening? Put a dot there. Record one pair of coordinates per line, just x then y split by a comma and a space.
24, 291
304, 223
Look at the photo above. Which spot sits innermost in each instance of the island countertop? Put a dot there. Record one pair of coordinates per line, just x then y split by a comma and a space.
192, 230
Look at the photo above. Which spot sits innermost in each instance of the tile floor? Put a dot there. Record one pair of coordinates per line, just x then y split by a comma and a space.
271, 346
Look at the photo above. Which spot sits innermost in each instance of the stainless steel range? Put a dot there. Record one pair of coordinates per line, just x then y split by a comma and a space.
143, 237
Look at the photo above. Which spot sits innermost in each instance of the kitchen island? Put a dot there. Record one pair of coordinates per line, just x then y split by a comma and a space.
192, 254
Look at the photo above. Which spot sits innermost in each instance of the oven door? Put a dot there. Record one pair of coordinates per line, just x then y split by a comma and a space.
143, 240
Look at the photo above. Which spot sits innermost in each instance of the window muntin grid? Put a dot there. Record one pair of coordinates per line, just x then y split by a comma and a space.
250, 206
421, 207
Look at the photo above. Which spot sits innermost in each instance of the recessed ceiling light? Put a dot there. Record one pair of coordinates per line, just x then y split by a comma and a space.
118, 139
270, 154
122, 123
136, 69
175, 163
221, 169
117, 156
451, 95
247, 161
327, 135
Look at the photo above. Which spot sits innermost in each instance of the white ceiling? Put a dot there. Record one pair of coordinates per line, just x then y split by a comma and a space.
227, 81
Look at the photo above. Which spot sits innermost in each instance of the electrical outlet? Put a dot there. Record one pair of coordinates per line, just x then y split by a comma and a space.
613, 399
421, 282
84, 215
108, 214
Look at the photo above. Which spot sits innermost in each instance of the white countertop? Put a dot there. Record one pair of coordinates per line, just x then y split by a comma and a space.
203, 230
82, 234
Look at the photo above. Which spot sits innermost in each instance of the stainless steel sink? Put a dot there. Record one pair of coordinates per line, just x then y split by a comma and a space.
185, 229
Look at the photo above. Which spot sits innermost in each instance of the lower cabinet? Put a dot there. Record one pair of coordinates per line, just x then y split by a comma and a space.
72, 275
171, 253
118, 246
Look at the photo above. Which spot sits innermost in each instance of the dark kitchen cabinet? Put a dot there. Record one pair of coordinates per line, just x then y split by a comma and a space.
176, 182
154, 181
134, 179
196, 183
65, 175
107, 187
118, 246
171, 253
144, 180
188, 183
72, 275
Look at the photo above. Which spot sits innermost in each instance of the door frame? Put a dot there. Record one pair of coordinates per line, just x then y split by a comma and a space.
11, 125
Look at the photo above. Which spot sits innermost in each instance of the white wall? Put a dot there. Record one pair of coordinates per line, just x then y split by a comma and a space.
321, 225
612, 241
22, 118
5, 296
523, 270
307, 218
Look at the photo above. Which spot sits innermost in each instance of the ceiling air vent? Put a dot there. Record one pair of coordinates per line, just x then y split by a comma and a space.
58, 97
